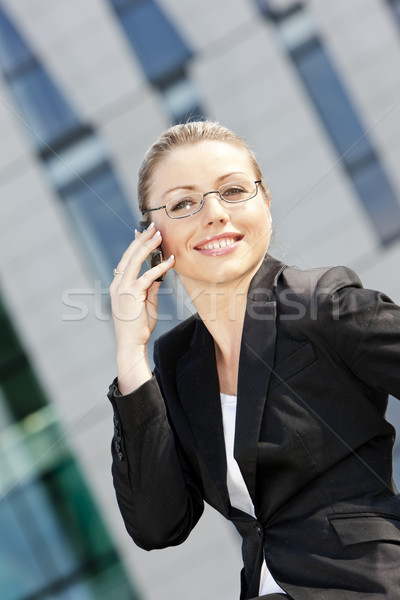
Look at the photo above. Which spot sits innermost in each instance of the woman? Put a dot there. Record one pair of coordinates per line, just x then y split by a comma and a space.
303, 360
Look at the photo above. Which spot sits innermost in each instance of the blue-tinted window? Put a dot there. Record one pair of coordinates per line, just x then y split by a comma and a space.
181, 99
333, 104
379, 200
14, 53
338, 115
20, 394
159, 47
122, 5
277, 10
75, 159
395, 6
32, 543
102, 219
163, 55
53, 543
44, 111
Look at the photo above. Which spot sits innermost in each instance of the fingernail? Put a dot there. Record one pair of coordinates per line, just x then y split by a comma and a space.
136, 233
171, 258
156, 235
150, 226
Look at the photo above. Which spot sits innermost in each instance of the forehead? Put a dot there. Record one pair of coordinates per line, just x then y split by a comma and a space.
200, 163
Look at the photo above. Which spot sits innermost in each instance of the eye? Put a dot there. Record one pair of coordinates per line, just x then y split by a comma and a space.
182, 204
233, 190
237, 191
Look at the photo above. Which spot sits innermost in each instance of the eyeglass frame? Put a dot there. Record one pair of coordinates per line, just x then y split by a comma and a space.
147, 210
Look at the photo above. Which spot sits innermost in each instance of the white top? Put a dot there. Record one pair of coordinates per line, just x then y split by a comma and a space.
238, 492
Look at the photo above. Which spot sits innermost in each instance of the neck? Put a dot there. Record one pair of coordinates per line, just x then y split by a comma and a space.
221, 307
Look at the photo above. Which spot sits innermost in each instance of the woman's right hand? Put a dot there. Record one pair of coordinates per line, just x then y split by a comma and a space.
134, 308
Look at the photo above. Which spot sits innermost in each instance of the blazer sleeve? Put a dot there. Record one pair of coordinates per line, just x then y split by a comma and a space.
155, 487
363, 328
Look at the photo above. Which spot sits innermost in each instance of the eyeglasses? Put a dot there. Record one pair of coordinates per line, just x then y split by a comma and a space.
193, 202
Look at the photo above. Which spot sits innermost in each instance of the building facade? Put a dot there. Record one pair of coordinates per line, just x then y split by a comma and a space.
313, 86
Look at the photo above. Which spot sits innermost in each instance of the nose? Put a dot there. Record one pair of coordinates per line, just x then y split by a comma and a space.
214, 210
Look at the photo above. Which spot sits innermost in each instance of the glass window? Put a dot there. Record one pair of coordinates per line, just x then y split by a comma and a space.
19, 387
53, 542
75, 158
70, 152
19, 391
332, 102
6, 417
296, 28
337, 113
14, 53
9, 343
378, 200
181, 100
122, 5
159, 47
19, 571
43, 109
163, 55
395, 6
101, 218
278, 10
94, 201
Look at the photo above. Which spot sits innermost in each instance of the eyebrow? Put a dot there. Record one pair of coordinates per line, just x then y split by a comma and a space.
193, 187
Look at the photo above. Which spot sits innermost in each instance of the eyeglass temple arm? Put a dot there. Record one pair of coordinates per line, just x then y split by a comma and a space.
146, 210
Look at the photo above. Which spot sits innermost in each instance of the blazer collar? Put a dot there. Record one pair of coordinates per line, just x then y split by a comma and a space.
198, 388
257, 354
198, 385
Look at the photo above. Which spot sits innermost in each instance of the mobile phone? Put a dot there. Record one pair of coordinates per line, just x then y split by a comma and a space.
155, 258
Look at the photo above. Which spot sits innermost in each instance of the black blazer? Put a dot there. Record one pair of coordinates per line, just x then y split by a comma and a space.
319, 355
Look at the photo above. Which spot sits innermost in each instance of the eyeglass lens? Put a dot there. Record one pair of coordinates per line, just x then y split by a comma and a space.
191, 203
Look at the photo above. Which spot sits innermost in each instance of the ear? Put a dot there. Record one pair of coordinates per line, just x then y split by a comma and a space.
267, 193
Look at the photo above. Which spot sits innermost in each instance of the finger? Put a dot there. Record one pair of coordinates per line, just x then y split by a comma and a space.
140, 238
152, 292
151, 275
142, 252
141, 285
130, 269
144, 289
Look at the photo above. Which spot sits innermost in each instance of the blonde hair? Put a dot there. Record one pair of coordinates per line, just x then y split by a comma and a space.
184, 134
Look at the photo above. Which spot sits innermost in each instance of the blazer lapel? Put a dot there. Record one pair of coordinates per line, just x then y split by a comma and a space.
198, 385
255, 365
198, 388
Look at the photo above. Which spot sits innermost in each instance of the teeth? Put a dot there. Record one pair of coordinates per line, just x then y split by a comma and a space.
218, 244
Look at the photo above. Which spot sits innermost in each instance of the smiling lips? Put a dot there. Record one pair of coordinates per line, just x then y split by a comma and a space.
218, 245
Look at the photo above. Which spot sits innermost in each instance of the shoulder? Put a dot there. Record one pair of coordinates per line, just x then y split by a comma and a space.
277, 277
322, 280
308, 295
333, 299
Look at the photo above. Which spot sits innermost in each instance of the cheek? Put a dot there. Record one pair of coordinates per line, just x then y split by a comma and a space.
166, 248
166, 234
262, 228
261, 217
171, 242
